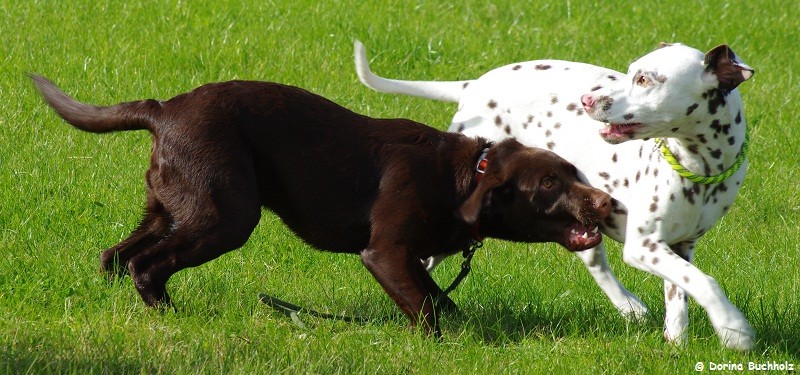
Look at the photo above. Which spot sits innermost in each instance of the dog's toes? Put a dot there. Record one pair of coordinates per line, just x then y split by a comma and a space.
679, 339
633, 310
741, 337
164, 305
111, 267
445, 304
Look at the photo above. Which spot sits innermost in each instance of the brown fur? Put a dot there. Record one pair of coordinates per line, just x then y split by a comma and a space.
392, 190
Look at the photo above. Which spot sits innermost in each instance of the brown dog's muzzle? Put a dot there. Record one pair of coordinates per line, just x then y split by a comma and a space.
585, 233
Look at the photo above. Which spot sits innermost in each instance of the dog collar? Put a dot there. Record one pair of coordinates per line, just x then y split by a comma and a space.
480, 170
706, 180
480, 166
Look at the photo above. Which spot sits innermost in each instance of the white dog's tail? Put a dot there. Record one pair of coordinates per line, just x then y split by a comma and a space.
447, 91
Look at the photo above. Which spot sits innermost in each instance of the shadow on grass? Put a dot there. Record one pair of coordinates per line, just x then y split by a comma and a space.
501, 318
777, 327
496, 321
501, 322
38, 359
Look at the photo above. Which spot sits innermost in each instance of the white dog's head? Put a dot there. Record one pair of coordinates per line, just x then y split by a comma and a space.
663, 89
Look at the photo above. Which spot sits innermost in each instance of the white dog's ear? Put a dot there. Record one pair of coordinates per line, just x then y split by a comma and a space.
663, 44
727, 68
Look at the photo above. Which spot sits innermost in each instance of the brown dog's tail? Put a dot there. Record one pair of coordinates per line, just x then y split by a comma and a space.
123, 116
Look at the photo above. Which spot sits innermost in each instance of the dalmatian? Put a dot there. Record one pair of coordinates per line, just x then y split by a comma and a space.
667, 141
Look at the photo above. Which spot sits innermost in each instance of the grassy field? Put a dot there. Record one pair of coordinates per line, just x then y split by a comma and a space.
67, 195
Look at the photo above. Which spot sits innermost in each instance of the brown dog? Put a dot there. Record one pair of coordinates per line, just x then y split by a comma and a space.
392, 190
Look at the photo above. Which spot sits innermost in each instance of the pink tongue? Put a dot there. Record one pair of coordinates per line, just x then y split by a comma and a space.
581, 236
619, 129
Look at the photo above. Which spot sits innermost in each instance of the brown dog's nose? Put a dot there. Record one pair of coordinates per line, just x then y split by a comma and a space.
587, 101
602, 203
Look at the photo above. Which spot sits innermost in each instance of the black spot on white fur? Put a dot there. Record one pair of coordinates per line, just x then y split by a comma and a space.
715, 98
691, 109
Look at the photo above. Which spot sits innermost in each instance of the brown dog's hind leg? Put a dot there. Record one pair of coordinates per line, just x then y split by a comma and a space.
188, 245
208, 216
152, 229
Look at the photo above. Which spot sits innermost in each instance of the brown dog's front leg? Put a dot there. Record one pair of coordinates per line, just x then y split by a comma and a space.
392, 267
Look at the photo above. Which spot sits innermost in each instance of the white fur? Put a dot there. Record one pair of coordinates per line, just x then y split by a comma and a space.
658, 215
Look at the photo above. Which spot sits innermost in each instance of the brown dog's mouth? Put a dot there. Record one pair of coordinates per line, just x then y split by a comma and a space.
581, 237
612, 132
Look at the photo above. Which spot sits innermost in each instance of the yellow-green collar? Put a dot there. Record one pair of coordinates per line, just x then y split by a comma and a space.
706, 180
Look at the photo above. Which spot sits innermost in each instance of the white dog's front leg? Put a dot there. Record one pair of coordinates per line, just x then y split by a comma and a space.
654, 256
630, 306
676, 318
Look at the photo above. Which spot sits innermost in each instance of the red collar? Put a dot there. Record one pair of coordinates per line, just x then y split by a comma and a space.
480, 170
480, 166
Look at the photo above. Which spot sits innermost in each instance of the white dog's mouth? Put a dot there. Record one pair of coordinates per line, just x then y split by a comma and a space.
615, 133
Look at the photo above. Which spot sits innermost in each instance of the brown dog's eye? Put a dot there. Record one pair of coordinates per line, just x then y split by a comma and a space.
547, 183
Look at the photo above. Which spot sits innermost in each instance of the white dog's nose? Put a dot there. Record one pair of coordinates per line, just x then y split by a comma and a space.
587, 101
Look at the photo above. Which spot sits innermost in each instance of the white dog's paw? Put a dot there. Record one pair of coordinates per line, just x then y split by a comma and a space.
677, 337
633, 309
738, 335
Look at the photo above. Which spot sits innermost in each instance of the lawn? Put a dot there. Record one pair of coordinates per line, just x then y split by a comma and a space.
66, 195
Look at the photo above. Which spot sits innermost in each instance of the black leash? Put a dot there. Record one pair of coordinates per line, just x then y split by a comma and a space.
466, 266
293, 311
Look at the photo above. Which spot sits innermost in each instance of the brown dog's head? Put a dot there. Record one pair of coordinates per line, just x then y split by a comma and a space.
533, 195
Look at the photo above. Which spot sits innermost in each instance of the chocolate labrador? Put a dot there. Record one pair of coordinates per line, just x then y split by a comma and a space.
391, 190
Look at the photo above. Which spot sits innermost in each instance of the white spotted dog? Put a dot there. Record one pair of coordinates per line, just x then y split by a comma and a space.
670, 151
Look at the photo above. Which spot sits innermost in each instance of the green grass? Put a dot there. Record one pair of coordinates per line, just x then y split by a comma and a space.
66, 195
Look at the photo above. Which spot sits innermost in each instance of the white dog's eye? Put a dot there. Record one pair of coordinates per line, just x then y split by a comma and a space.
642, 80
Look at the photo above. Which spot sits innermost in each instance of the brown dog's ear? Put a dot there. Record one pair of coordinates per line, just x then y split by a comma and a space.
472, 206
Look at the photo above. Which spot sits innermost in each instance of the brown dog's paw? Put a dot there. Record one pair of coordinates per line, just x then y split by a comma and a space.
446, 305
111, 267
